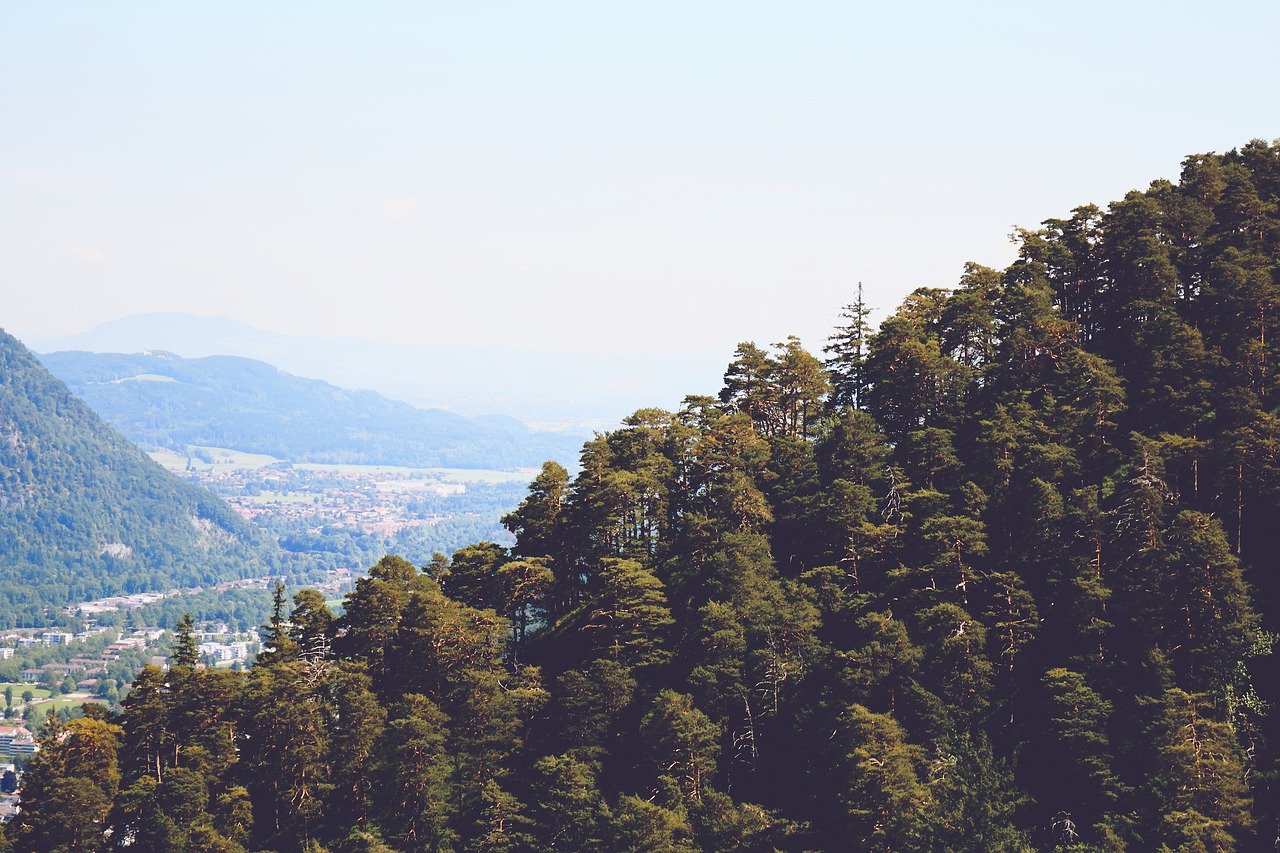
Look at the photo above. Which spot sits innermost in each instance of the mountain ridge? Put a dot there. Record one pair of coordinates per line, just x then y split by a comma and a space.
252, 406
563, 390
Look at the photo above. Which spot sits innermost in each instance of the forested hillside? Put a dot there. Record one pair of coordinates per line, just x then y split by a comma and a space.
999, 576
161, 400
85, 514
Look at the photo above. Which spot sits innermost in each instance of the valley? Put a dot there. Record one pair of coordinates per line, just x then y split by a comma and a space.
347, 516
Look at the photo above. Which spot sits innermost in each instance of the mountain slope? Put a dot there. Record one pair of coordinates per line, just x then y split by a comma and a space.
161, 400
84, 513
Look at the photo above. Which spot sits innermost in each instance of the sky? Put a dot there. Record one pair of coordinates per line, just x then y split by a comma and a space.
579, 177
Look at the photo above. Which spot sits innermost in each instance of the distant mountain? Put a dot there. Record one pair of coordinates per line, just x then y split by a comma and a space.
161, 400
553, 388
186, 334
84, 513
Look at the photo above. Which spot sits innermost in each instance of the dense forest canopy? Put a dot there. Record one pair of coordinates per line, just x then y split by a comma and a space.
998, 576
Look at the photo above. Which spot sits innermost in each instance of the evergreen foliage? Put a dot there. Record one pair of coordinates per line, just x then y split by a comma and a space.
1001, 582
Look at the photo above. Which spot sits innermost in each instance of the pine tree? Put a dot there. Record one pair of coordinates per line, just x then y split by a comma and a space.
277, 645
683, 743
186, 647
884, 801
68, 788
414, 799
847, 354
1201, 776
628, 617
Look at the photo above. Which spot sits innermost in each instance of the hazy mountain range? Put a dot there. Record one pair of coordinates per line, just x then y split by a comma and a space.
161, 400
555, 389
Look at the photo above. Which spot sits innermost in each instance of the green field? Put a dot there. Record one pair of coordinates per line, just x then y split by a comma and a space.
71, 700
18, 689
223, 460
148, 377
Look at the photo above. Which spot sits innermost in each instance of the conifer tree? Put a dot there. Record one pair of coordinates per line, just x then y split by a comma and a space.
69, 787
311, 624
1201, 776
186, 647
277, 645
847, 354
1009, 588
628, 616
884, 801
684, 744
413, 801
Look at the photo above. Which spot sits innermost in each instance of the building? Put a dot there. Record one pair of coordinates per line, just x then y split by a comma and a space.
16, 740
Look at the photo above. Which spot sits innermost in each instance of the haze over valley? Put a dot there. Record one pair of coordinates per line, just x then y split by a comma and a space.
565, 391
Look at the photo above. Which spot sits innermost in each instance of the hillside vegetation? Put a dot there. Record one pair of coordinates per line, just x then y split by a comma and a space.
999, 576
85, 514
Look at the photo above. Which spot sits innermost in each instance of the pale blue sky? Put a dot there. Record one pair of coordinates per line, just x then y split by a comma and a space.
579, 175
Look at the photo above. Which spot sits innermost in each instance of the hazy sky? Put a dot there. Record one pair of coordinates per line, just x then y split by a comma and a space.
579, 175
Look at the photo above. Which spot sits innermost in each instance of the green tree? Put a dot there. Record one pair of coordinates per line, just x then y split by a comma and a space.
439, 642
186, 646
504, 826
748, 387
802, 388
974, 801
628, 617
372, 613
569, 812
684, 745
912, 382
1072, 760
536, 523
955, 665
233, 814
589, 705
284, 749
846, 352
643, 827
68, 788
525, 585
472, 577
1209, 620
148, 738
414, 798
311, 624
1201, 776
883, 799
356, 723
277, 645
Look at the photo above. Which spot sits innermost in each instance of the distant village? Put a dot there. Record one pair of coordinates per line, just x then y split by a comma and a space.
368, 501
